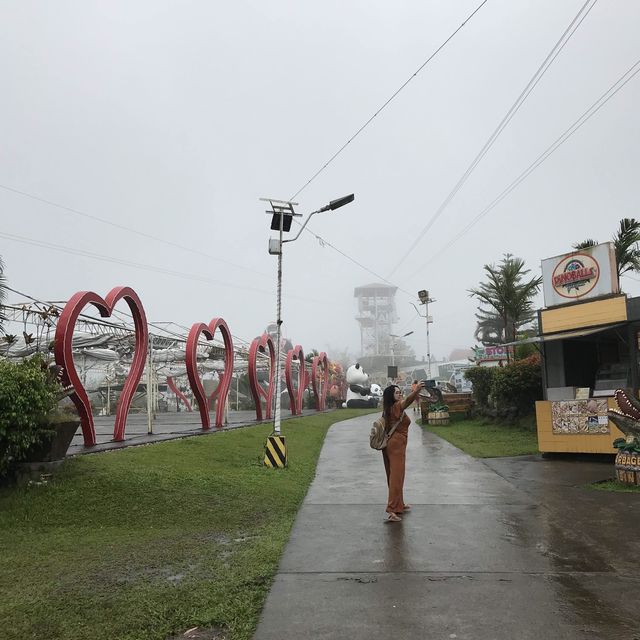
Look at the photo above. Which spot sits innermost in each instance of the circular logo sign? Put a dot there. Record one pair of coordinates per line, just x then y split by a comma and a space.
575, 275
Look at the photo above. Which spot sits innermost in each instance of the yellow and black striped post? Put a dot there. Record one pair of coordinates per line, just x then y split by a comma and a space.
275, 452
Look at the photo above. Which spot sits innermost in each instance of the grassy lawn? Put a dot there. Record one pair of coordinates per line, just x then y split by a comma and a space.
150, 541
489, 440
614, 485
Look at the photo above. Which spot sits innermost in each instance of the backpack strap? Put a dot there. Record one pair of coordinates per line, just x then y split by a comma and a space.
395, 426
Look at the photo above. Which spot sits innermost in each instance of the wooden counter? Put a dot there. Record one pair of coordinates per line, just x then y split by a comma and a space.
552, 437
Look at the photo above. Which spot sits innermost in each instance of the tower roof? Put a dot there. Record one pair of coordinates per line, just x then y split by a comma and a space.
375, 288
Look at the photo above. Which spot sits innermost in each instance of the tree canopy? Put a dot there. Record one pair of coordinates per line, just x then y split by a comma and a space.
506, 300
626, 245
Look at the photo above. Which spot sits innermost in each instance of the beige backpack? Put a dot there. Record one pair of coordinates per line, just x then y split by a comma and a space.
379, 436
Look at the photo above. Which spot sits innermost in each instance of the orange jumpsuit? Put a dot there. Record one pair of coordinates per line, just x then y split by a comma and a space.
394, 455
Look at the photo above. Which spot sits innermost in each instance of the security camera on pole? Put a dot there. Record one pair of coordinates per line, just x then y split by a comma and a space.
282, 214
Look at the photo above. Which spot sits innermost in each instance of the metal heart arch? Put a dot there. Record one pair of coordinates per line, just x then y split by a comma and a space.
63, 351
261, 345
296, 395
222, 390
321, 363
171, 383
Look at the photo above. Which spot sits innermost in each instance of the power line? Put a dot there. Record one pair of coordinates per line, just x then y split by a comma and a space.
515, 107
71, 250
564, 39
348, 257
137, 265
588, 114
388, 101
122, 325
170, 243
128, 229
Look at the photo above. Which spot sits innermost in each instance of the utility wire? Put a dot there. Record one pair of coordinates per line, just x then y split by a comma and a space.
183, 337
564, 39
324, 242
25, 240
389, 100
137, 265
128, 229
60, 307
588, 114
122, 325
537, 76
150, 236
34, 242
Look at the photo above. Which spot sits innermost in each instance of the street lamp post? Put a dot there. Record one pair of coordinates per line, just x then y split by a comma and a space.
282, 213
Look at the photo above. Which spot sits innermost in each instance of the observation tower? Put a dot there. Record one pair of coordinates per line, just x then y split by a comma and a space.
376, 316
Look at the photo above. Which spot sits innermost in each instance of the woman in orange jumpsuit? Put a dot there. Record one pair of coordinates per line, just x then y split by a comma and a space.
394, 454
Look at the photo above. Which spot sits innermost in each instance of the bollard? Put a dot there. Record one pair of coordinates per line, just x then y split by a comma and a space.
275, 452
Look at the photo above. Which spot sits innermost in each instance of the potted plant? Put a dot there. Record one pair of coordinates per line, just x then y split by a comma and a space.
31, 426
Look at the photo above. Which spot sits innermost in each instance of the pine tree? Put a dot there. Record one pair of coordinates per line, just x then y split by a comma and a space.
506, 300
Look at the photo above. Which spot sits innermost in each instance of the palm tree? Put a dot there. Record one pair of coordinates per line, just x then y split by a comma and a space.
3, 293
489, 329
509, 298
626, 245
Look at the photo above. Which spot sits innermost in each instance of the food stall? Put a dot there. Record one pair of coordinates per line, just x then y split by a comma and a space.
588, 340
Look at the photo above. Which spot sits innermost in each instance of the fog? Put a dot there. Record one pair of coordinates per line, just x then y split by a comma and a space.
138, 137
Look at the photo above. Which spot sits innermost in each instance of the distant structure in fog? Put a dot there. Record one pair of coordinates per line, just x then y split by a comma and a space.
376, 316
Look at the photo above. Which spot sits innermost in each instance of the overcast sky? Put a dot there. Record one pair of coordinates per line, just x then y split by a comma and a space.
172, 119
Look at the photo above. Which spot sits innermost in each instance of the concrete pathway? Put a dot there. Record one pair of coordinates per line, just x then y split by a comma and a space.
511, 548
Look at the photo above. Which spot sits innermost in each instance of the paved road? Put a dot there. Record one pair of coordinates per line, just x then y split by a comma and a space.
511, 548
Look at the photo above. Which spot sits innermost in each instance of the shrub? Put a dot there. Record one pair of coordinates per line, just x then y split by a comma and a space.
519, 385
524, 351
481, 378
27, 395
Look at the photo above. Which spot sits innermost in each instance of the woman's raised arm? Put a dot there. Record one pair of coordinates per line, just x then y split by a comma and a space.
408, 401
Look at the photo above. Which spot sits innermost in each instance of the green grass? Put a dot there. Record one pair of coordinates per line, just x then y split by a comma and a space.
614, 485
150, 541
489, 440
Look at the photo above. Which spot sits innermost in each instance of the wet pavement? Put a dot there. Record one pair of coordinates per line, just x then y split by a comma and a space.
505, 548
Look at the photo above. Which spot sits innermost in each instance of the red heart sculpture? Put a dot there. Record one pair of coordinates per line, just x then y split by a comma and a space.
222, 390
260, 345
296, 395
174, 387
320, 361
63, 351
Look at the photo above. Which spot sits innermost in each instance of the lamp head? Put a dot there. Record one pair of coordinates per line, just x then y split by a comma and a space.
340, 202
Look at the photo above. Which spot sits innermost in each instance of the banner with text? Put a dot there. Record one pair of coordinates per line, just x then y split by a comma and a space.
580, 275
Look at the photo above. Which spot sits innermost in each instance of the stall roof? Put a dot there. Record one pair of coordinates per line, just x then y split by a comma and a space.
563, 335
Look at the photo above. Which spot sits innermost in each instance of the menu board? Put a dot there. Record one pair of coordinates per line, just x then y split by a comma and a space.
579, 417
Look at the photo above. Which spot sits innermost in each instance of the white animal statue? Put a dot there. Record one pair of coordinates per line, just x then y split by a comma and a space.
359, 394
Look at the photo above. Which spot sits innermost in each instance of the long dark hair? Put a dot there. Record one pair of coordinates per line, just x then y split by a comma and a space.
388, 399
